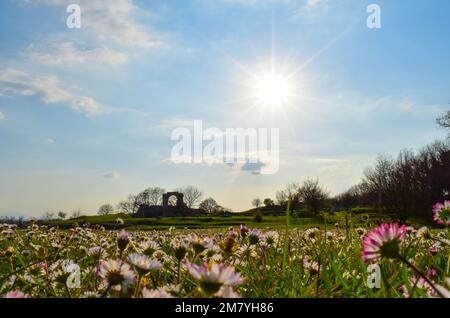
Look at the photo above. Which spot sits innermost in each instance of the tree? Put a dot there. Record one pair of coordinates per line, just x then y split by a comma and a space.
256, 202
281, 197
291, 190
155, 195
105, 209
405, 186
444, 120
209, 205
48, 216
192, 195
312, 195
350, 198
130, 205
151, 196
268, 202
62, 215
76, 214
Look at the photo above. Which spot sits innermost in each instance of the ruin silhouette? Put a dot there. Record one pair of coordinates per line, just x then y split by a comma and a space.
167, 210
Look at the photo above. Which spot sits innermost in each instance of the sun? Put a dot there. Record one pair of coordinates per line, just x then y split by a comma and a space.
273, 90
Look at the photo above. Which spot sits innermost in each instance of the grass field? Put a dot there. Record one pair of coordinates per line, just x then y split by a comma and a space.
283, 256
268, 221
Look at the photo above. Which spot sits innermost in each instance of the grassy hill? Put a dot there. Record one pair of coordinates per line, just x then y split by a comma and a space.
269, 220
109, 222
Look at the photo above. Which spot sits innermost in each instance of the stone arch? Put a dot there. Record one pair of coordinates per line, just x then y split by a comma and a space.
178, 195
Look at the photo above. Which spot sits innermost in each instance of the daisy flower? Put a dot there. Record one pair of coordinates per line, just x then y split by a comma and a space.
115, 272
143, 264
16, 294
272, 237
123, 238
199, 243
254, 236
158, 293
119, 221
422, 284
360, 231
423, 233
310, 265
96, 251
311, 233
441, 213
384, 241
179, 249
149, 247
212, 277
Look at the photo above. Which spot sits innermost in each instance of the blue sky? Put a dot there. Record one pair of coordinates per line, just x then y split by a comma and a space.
86, 114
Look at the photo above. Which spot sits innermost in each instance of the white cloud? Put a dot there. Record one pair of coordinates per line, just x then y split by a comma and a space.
109, 35
48, 88
111, 21
49, 141
68, 54
2, 116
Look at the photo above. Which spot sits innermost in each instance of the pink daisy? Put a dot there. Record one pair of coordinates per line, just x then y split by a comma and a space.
441, 213
16, 294
384, 241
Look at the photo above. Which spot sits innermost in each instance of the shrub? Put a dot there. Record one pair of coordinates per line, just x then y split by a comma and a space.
258, 217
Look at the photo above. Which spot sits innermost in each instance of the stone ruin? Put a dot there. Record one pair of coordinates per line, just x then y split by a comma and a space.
167, 210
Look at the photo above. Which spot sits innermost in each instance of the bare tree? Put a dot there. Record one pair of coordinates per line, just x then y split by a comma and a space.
256, 202
408, 185
192, 195
76, 214
209, 205
105, 209
130, 205
48, 216
291, 190
281, 197
444, 120
151, 196
155, 195
312, 195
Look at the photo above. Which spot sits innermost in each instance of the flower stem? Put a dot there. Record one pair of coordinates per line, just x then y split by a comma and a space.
286, 237
179, 271
404, 260
138, 286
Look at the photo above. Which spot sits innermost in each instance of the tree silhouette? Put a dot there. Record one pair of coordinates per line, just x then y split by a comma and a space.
105, 209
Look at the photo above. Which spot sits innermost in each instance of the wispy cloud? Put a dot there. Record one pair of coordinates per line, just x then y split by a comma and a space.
48, 88
110, 32
254, 168
111, 175
2, 116
170, 124
312, 4
109, 20
67, 53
